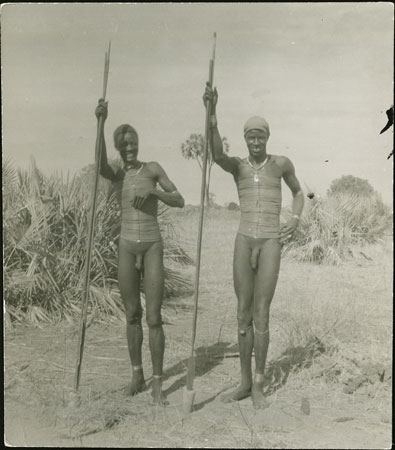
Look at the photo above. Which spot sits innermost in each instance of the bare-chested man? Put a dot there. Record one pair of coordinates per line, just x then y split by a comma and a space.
258, 242
140, 243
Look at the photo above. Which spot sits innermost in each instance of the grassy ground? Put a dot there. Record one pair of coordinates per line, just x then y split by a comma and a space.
328, 376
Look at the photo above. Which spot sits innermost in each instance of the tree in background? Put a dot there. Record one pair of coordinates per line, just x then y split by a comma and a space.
348, 184
193, 148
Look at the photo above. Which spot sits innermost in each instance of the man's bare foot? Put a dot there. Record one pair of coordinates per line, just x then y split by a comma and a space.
158, 396
258, 399
137, 384
236, 395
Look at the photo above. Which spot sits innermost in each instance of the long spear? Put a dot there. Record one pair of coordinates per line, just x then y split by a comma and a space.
189, 393
85, 291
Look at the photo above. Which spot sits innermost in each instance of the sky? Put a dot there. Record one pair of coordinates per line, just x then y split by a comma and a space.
320, 73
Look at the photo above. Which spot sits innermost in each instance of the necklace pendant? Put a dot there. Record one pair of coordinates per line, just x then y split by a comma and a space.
256, 178
129, 169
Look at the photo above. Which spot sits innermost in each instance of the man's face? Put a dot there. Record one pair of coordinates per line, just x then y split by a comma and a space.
256, 142
129, 147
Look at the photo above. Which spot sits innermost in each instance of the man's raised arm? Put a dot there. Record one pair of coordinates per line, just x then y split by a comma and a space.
105, 169
215, 141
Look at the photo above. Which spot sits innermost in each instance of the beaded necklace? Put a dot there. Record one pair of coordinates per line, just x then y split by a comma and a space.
128, 167
256, 169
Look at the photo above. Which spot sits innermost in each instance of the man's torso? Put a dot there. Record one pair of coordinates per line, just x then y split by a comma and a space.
137, 224
260, 197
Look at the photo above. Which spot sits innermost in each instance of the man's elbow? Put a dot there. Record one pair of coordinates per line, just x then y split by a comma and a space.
217, 158
181, 202
298, 194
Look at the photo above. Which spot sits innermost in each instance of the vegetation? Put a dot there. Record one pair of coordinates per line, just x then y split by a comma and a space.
232, 206
348, 184
331, 345
193, 148
45, 228
330, 228
44, 247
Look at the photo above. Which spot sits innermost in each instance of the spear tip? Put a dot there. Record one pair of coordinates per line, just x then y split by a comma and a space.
214, 44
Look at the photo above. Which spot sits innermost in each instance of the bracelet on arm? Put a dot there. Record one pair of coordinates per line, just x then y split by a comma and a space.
213, 121
296, 216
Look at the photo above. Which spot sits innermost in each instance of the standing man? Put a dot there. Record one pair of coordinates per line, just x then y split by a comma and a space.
140, 244
258, 242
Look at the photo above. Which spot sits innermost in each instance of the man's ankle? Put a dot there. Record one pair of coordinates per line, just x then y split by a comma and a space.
259, 378
246, 383
137, 371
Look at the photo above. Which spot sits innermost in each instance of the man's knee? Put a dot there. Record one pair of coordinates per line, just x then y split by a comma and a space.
261, 326
244, 322
154, 320
133, 316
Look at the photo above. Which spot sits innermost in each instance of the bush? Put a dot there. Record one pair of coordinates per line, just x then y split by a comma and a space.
348, 184
45, 222
328, 228
233, 206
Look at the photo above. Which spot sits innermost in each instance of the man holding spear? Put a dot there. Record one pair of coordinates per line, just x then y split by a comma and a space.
140, 244
258, 242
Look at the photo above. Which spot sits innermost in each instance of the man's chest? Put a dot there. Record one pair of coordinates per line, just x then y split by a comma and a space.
255, 173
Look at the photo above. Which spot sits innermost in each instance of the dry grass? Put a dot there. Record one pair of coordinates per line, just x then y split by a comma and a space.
320, 319
330, 229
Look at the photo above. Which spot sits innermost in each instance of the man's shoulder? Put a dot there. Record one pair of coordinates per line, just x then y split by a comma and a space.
231, 164
154, 169
154, 166
281, 160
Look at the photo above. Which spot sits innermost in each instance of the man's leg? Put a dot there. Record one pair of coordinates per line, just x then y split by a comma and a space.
243, 278
265, 285
153, 288
129, 286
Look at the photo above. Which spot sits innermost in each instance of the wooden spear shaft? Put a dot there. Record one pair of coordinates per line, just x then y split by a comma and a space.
88, 260
191, 361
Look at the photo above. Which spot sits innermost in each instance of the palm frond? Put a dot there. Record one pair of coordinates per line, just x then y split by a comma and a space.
45, 234
329, 227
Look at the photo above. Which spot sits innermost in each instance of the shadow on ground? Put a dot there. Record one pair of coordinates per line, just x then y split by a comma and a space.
291, 360
277, 371
205, 360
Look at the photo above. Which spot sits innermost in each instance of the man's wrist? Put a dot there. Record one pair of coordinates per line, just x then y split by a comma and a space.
296, 216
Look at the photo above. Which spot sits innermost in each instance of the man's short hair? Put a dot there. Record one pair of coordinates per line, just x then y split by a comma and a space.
119, 134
